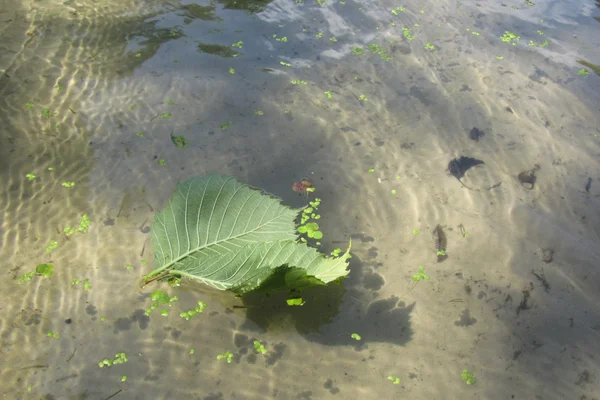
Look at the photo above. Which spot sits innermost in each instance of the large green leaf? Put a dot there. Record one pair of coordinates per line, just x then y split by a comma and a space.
233, 237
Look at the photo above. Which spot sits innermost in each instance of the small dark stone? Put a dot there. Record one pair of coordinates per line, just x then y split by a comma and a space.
68, 321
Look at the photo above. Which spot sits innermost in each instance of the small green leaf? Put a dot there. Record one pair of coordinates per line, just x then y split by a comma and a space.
297, 301
355, 336
30, 176
44, 269
179, 141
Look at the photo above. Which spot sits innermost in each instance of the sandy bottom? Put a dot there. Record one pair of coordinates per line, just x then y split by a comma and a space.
92, 92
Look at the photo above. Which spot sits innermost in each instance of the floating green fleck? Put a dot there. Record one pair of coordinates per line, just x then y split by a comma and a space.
311, 229
29, 106
362, 97
583, 72
162, 162
468, 377
165, 116
395, 380
227, 356
232, 71
259, 347
329, 95
500, 57
510, 37
259, 112
30, 176
429, 46
53, 335
421, 275
123, 378
358, 51
140, 134
47, 113
407, 32
51, 246
355, 336
238, 44
84, 224
336, 252
44, 269
398, 9
416, 232
179, 141
68, 184
120, 358
535, 44
298, 82
160, 298
285, 64
371, 170
187, 315
192, 351
26, 277
296, 301
441, 252
394, 191
226, 125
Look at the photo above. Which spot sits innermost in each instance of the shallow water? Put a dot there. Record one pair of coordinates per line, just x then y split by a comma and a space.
93, 90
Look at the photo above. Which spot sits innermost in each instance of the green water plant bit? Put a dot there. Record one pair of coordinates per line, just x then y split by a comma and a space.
120, 358
231, 236
30, 176
68, 184
259, 347
468, 377
51, 246
226, 356
44, 269
187, 315
53, 335
355, 336
311, 229
583, 72
160, 298
297, 301
25, 277
395, 380
510, 37
179, 141
83, 227
40, 270
421, 275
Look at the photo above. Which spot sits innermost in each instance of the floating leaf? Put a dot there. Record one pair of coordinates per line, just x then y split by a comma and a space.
231, 236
